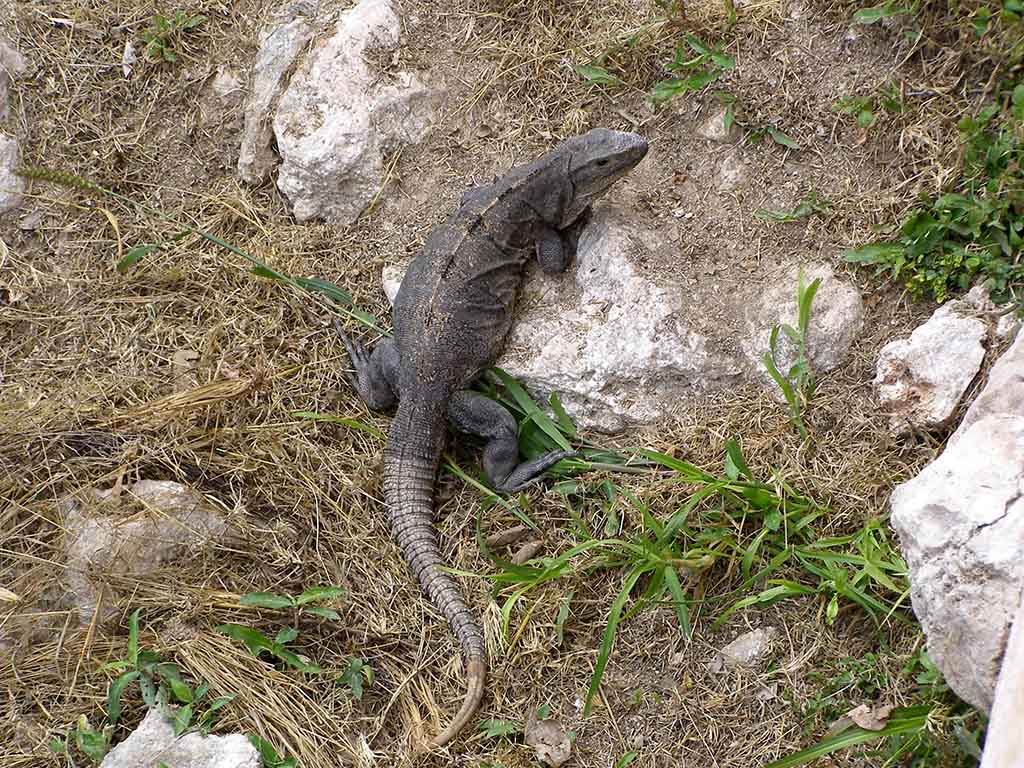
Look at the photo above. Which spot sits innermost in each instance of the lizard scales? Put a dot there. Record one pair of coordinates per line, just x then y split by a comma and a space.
451, 318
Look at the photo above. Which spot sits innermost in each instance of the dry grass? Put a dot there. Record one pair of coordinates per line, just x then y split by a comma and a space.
188, 368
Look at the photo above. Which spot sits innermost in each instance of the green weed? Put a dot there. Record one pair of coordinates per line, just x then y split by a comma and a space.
268, 754
662, 555
501, 729
798, 383
702, 66
161, 684
916, 735
299, 604
877, 13
754, 132
355, 675
974, 232
809, 206
259, 644
596, 75
165, 32
866, 108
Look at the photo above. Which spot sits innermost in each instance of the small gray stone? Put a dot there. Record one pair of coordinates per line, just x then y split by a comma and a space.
715, 129
391, 280
12, 186
1007, 326
99, 541
549, 740
746, 651
227, 86
920, 380
732, 173
12, 65
153, 744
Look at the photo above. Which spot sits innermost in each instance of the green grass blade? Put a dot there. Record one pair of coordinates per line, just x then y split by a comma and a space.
565, 423
532, 410
678, 600
114, 692
903, 720
608, 638
133, 638
734, 457
266, 600
320, 593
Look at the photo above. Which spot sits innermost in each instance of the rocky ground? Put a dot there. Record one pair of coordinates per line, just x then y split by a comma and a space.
152, 447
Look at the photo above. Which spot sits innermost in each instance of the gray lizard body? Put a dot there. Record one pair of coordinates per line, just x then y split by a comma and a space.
451, 318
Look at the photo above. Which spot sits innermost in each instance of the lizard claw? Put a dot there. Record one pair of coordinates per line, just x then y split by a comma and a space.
356, 352
528, 473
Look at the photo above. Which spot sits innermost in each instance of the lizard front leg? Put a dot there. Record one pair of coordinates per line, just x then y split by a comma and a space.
473, 413
557, 248
376, 373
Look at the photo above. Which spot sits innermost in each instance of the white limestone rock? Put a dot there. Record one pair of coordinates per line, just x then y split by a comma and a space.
1003, 394
613, 344
153, 744
746, 651
335, 120
961, 529
280, 47
733, 172
714, 128
921, 379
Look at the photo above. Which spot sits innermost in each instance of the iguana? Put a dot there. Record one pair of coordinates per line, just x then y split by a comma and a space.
450, 317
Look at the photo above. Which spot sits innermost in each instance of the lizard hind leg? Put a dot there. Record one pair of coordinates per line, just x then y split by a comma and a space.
376, 374
473, 413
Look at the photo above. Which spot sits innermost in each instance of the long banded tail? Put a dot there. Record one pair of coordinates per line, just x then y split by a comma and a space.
414, 449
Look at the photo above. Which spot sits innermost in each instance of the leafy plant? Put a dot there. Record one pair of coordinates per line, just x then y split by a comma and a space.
596, 75
974, 232
356, 673
754, 131
701, 69
300, 604
91, 742
915, 735
165, 31
652, 559
501, 729
798, 383
268, 754
902, 721
259, 644
160, 682
879, 12
809, 206
865, 108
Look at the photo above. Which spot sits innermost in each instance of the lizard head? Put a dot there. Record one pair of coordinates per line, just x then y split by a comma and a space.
598, 159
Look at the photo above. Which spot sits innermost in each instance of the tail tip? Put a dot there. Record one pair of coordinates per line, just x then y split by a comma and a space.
476, 676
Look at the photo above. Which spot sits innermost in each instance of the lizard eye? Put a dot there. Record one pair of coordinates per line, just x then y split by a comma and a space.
602, 162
